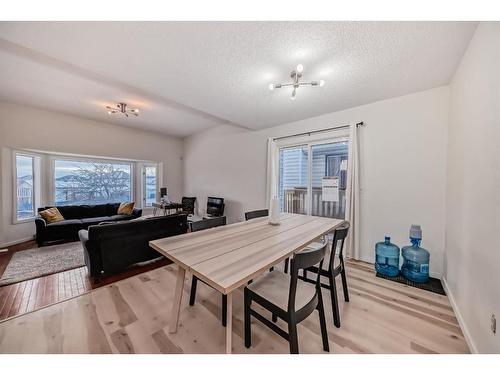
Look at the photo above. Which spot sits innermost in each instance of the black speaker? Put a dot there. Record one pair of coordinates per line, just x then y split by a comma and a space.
163, 192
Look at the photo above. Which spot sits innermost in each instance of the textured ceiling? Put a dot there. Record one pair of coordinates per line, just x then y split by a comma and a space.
191, 76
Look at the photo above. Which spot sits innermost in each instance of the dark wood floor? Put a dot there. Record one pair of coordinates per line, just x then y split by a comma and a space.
29, 295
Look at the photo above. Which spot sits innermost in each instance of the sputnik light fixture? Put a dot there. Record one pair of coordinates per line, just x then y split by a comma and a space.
296, 75
122, 108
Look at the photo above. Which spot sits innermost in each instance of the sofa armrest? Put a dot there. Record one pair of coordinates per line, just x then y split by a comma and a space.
83, 235
40, 226
40, 222
91, 254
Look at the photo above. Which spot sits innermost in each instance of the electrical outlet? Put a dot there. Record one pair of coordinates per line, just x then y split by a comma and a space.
493, 324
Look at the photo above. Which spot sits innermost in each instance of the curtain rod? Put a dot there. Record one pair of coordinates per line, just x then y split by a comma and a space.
319, 131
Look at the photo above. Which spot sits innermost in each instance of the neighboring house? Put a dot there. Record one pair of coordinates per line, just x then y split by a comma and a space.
24, 196
293, 173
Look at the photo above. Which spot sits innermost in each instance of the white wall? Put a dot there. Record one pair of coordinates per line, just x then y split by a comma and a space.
472, 258
403, 160
24, 127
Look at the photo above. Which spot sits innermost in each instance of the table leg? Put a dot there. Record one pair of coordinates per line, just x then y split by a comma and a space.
229, 323
176, 306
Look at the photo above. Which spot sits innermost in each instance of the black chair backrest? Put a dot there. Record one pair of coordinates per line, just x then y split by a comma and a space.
340, 234
215, 206
207, 223
188, 204
255, 214
300, 261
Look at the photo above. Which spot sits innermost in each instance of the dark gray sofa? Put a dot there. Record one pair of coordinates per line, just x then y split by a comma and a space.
78, 218
112, 247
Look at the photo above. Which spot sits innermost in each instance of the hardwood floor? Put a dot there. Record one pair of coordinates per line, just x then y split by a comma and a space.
132, 315
29, 295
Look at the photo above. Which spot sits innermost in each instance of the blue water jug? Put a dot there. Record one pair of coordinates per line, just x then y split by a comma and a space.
387, 258
415, 259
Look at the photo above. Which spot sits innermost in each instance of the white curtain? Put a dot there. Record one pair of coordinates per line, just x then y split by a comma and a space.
272, 155
352, 192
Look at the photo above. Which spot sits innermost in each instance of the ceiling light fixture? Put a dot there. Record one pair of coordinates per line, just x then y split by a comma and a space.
122, 108
296, 75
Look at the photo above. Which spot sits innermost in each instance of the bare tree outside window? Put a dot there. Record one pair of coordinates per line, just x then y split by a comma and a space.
80, 182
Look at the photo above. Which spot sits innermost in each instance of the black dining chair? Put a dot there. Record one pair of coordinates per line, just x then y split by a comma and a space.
188, 205
215, 207
197, 226
333, 266
288, 298
255, 214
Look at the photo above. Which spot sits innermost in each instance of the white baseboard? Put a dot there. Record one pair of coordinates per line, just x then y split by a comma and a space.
460, 319
12, 243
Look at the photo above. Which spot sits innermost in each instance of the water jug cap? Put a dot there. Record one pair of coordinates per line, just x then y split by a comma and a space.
416, 231
387, 238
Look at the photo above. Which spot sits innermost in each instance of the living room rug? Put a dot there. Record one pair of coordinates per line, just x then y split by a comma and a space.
41, 261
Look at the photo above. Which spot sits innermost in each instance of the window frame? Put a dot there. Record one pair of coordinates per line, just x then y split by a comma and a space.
36, 191
54, 158
334, 135
143, 183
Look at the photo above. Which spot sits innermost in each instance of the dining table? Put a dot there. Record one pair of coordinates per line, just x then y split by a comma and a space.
229, 256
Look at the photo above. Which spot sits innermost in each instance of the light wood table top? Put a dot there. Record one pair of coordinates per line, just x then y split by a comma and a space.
227, 257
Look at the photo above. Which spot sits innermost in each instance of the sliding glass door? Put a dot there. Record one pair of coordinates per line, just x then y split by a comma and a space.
313, 177
294, 179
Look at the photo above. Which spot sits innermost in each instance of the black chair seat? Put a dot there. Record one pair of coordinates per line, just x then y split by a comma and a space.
274, 287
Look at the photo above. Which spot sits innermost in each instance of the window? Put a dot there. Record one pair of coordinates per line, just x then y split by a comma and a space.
150, 186
302, 170
91, 182
293, 179
25, 187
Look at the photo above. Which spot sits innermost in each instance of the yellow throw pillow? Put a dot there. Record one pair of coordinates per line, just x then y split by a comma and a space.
126, 208
51, 215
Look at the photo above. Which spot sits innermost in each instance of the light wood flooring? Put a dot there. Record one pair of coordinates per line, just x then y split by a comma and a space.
132, 315
29, 295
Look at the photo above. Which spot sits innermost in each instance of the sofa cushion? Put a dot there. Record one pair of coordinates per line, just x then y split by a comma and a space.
51, 215
95, 220
71, 212
97, 210
112, 209
65, 223
126, 208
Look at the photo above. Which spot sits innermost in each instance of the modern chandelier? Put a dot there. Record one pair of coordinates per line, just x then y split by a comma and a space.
122, 108
296, 75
